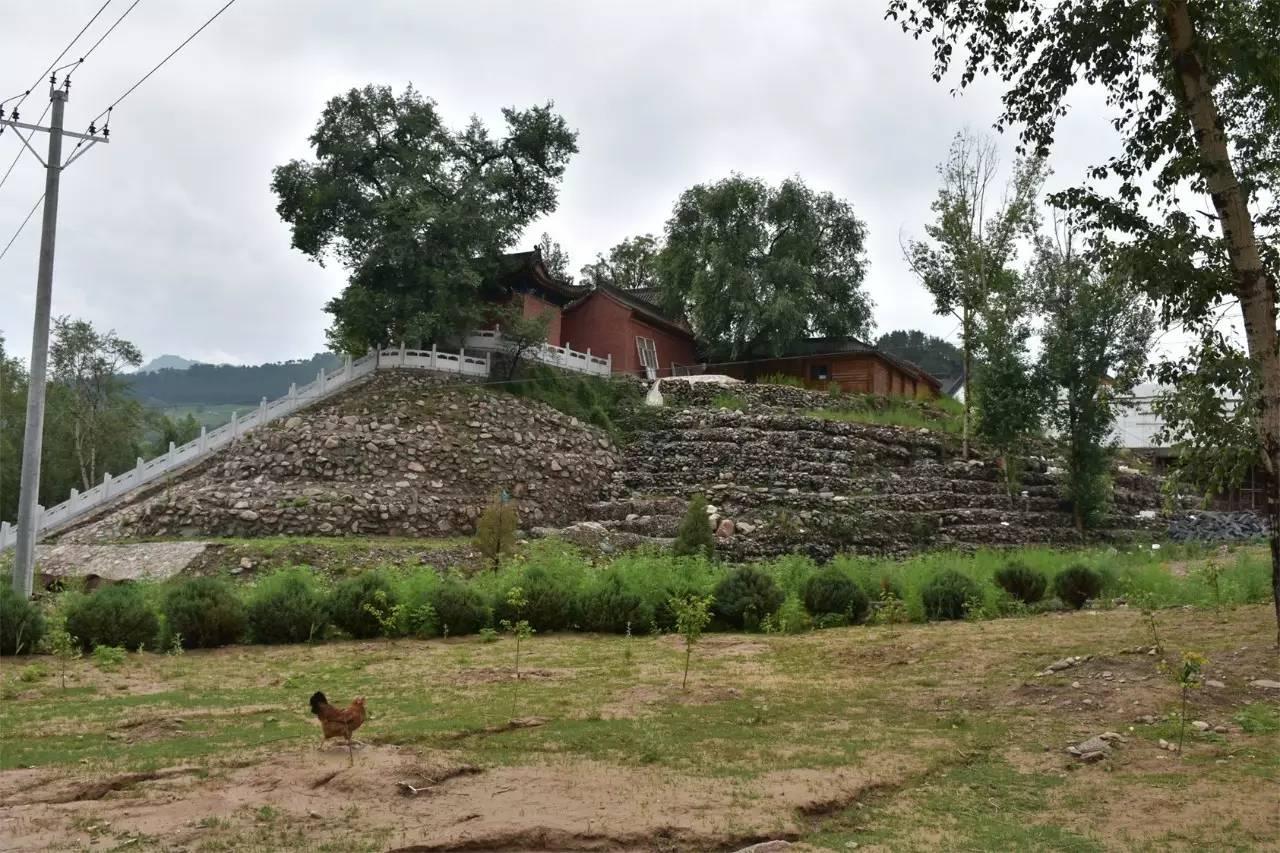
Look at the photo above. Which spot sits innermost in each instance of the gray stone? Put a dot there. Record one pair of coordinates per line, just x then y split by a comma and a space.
1200, 725
746, 528
1217, 685
113, 563
1065, 663
1265, 684
293, 422
1222, 730
766, 847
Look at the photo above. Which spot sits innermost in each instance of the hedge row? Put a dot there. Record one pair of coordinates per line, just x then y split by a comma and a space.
564, 591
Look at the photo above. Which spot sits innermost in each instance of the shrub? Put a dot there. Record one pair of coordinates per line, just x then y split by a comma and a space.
21, 625
695, 535
1023, 583
831, 591
1076, 584
459, 608
347, 604
287, 607
609, 606
548, 597
115, 615
947, 595
496, 530
204, 612
745, 596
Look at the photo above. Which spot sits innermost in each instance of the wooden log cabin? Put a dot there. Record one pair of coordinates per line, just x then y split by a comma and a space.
856, 366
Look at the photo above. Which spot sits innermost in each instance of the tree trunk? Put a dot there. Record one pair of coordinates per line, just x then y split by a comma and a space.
1255, 289
967, 334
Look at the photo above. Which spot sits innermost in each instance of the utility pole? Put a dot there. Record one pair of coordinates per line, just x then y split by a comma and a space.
33, 438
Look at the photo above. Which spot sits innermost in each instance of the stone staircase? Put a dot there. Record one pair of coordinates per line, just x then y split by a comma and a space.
795, 483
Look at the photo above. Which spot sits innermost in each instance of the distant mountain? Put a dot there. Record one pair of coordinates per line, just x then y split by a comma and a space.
213, 384
167, 362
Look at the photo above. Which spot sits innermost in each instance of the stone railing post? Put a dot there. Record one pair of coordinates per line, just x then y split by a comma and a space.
173, 451
432, 365
346, 365
235, 425
402, 353
74, 499
262, 412
106, 486
204, 439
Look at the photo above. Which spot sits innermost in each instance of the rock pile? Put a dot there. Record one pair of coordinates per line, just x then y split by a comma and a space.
399, 455
793, 483
1208, 526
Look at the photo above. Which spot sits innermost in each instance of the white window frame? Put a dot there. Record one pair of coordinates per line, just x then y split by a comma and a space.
648, 356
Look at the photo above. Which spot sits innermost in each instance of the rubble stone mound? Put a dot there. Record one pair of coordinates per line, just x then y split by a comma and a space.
404, 454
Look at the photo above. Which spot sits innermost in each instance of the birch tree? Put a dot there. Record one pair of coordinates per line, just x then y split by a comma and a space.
973, 239
1194, 89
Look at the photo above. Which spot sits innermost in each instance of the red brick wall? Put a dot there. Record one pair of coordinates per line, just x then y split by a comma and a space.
608, 327
534, 305
600, 324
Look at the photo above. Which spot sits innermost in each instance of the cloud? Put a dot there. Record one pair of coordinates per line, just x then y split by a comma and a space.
169, 234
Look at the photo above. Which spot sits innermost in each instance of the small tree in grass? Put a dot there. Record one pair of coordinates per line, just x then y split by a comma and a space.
520, 628
693, 613
66, 648
695, 535
496, 529
1188, 678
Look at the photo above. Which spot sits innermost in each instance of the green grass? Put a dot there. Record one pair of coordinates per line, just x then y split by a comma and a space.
895, 416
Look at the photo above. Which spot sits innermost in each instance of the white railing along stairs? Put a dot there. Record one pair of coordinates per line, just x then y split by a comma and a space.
324, 385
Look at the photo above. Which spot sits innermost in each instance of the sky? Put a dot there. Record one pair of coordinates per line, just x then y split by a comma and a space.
169, 234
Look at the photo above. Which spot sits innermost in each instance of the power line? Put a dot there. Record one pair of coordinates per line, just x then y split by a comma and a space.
160, 64
58, 59
23, 225
102, 38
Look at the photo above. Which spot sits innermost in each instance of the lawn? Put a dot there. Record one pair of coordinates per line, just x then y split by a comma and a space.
900, 737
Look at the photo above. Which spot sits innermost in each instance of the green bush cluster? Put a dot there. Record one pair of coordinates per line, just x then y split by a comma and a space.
21, 623
1021, 582
204, 613
116, 615
633, 592
1076, 584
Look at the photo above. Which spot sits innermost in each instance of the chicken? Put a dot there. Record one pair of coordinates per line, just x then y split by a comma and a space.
338, 722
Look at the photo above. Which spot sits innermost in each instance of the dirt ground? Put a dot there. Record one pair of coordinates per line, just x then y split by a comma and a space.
918, 737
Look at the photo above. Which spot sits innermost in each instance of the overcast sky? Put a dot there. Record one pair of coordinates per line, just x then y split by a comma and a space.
169, 234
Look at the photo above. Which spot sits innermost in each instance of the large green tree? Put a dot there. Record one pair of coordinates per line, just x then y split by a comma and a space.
930, 353
418, 213
756, 267
973, 239
1008, 394
1095, 341
1195, 94
13, 409
631, 264
104, 419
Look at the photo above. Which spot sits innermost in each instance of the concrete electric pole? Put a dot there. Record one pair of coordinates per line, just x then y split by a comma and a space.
33, 437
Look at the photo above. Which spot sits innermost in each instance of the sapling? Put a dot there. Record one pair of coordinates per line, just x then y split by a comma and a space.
66, 648
1188, 678
693, 614
1146, 604
520, 628
1212, 576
